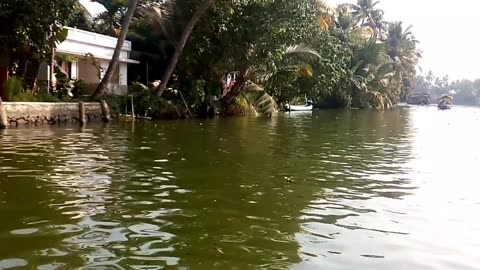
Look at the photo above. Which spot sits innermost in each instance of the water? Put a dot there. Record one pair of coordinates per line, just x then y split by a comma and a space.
333, 190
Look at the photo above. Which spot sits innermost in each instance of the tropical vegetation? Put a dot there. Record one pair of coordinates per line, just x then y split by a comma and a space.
279, 50
465, 92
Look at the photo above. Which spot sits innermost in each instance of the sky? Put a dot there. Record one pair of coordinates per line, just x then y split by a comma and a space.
92, 7
447, 31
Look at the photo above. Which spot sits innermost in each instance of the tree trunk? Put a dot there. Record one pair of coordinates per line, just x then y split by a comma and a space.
204, 6
3, 116
4, 68
51, 71
236, 89
132, 5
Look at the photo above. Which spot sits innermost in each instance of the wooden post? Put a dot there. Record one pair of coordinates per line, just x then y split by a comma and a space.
81, 113
105, 112
133, 106
186, 105
3, 116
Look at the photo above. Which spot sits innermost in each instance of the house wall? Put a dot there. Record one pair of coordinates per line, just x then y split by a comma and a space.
37, 113
123, 74
74, 70
88, 73
81, 43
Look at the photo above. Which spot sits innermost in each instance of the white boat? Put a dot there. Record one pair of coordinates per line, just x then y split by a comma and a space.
298, 108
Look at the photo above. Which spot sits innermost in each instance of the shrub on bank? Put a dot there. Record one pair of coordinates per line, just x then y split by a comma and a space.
16, 91
146, 103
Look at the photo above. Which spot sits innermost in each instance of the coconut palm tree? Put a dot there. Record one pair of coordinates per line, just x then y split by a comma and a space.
197, 15
325, 16
365, 9
109, 22
132, 5
346, 20
82, 18
368, 15
401, 46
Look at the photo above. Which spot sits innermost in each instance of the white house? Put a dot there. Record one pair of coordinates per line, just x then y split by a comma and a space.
89, 56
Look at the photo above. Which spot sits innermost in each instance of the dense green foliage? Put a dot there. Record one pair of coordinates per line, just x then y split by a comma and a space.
347, 56
30, 31
34, 26
68, 90
363, 60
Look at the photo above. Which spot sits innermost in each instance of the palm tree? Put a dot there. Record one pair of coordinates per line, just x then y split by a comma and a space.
197, 15
259, 90
325, 16
109, 22
82, 18
368, 14
132, 5
430, 77
365, 9
346, 20
401, 46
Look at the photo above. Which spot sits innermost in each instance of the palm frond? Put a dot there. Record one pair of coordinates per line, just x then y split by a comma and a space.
303, 50
260, 102
253, 87
302, 70
379, 100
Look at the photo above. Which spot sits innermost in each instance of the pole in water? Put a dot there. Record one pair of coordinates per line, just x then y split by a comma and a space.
105, 111
133, 106
3, 116
81, 113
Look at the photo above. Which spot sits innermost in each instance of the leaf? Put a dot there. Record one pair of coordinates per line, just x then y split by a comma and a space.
263, 103
252, 87
304, 50
61, 35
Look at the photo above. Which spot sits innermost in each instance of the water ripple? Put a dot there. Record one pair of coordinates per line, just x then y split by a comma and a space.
332, 190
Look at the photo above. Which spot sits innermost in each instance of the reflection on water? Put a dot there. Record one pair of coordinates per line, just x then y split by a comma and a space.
332, 190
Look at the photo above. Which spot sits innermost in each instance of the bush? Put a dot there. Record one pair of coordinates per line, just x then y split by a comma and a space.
137, 87
46, 97
17, 93
26, 96
146, 103
14, 87
118, 104
80, 88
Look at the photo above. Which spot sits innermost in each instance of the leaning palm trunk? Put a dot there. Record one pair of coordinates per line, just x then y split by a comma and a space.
132, 4
204, 6
228, 98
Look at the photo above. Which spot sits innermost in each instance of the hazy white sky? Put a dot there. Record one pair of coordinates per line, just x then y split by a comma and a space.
93, 7
447, 32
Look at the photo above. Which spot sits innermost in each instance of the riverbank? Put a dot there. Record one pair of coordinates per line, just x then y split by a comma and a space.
14, 114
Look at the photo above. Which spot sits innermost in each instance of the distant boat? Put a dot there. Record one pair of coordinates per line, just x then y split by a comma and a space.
445, 102
299, 108
444, 106
419, 99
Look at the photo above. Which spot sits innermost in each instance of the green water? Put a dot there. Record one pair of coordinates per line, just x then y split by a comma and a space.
332, 190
